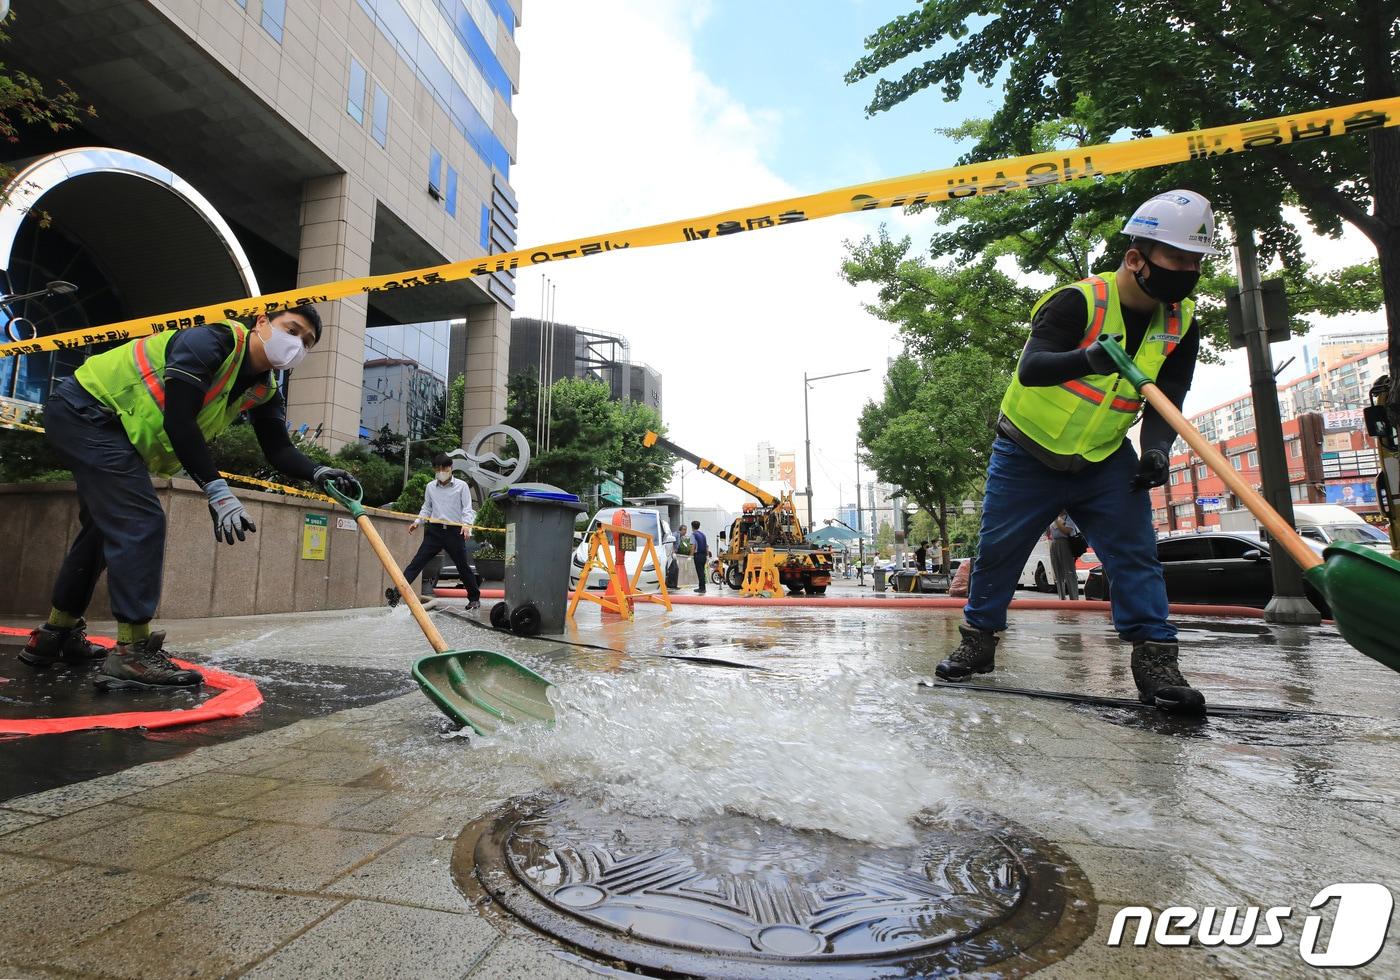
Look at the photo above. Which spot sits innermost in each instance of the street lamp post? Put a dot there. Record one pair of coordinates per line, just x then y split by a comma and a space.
807, 427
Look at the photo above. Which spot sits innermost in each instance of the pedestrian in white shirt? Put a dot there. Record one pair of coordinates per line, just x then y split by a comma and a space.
446, 499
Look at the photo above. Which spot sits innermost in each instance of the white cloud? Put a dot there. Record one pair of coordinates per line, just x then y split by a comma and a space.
619, 127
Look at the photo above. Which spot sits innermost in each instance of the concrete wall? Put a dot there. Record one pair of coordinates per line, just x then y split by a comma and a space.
265, 574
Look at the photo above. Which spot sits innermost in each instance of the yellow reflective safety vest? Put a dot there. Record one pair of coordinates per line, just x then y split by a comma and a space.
1089, 417
130, 380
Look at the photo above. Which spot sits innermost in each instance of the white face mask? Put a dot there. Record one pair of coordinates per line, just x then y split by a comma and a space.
283, 350
445, 476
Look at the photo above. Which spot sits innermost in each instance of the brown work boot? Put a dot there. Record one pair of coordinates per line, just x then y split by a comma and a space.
975, 655
1159, 679
144, 664
49, 644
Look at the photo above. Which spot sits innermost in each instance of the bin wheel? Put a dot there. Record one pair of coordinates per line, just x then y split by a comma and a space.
817, 589
500, 616
525, 621
796, 590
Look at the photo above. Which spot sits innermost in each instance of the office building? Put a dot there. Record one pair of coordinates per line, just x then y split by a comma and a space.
240, 147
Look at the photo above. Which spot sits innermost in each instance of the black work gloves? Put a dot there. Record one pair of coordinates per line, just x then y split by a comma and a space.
344, 482
1099, 360
1151, 472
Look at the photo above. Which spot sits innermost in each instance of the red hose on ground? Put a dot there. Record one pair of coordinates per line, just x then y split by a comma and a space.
902, 604
237, 696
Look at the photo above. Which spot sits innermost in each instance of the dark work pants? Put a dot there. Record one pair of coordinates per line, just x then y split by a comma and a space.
436, 538
121, 524
701, 557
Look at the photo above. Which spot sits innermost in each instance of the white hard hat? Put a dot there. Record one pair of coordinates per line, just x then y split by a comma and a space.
1180, 218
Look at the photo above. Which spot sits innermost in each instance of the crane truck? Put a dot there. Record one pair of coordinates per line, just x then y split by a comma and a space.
770, 523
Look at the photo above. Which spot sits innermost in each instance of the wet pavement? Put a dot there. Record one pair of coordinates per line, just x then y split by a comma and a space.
326, 846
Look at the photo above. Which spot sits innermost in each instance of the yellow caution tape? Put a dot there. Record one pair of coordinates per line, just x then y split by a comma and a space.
283, 488
293, 491
953, 183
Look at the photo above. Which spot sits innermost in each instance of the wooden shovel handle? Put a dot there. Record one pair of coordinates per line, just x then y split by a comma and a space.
401, 583
1278, 528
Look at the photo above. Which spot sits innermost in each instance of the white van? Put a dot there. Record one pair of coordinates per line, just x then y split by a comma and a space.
645, 519
1326, 523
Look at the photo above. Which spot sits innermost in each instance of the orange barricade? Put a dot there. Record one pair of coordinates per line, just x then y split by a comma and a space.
607, 547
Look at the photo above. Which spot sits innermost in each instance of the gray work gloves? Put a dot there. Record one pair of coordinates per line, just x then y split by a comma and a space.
344, 482
229, 516
1151, 472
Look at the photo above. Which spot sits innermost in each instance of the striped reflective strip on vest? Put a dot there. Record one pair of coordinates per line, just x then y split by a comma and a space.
1100, 311
155, 384
1096, 396
1173, 329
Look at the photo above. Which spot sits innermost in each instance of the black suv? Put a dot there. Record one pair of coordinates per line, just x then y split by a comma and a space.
1224, 568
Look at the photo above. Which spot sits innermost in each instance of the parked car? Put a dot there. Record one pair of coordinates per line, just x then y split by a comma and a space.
1213, 568
646, 519
1038, 574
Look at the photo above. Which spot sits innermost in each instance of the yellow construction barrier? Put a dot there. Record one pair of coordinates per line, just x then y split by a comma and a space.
607, 546
762, 575
1013, 174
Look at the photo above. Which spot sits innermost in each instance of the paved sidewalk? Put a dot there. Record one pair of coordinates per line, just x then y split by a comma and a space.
323, 848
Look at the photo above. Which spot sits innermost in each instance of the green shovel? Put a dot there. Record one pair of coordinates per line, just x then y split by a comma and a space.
1360, 584
479, 688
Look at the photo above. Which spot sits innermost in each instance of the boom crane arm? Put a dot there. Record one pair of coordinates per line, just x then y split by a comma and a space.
763, 496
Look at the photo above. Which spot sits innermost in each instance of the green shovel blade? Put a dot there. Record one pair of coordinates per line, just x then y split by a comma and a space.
483, 689
1363, 588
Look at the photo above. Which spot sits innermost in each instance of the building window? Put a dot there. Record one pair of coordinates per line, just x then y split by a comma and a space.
1236, 462
355, 101
1295, 448
1298, 491
434, 173
1202, 471
1253, 460
451, 202
274, 14
1172, 478
486, 229
379, 121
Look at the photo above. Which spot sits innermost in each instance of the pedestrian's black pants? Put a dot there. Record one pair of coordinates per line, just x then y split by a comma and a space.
121, 524
701, 558
437, 537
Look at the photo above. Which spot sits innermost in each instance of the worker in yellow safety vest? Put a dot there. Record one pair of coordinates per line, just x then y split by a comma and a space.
1062, 444
151, 407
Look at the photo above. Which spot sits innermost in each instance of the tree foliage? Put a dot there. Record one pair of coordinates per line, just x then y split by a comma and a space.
590, 437
930, 435
1172, 65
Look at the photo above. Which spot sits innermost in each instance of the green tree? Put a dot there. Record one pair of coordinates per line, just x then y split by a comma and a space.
582, 432
884, 538
1172, 65
931, 434
25, 103
644, 471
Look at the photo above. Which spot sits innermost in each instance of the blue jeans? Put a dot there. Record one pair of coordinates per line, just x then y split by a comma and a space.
1024, 495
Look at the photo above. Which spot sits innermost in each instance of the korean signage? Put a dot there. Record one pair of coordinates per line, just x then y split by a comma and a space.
1345, 420
1343, 465
1336, 442
313, 537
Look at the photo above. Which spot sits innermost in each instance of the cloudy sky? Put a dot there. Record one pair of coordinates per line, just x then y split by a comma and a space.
639, 111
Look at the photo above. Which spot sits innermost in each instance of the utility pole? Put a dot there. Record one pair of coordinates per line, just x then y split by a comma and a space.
860, 522
807, 430
1289, 604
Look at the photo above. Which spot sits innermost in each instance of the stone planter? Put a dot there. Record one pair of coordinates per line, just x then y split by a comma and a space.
491, 569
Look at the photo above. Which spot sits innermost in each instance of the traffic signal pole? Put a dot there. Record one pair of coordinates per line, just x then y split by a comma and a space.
1289, 603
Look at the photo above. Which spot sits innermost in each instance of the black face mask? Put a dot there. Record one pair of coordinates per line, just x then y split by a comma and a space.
1168, 286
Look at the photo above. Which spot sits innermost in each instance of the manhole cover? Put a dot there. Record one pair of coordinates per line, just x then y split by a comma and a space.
740, 897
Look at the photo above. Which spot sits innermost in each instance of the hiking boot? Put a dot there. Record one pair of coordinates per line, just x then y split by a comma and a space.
49, 644
1159, 680
392, 596
144, 664
975, 655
